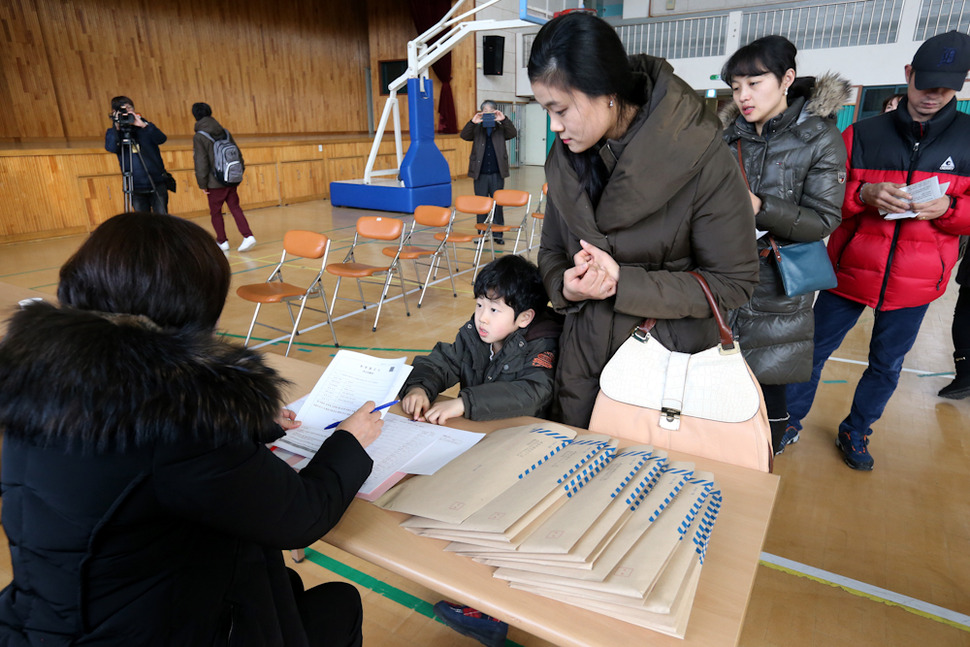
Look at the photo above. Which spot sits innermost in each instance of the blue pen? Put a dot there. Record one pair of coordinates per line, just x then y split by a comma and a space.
383, 406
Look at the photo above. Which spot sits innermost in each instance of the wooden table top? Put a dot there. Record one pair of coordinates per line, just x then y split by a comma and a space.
727, 577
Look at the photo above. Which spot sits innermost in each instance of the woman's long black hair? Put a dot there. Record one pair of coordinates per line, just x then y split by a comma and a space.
580, 52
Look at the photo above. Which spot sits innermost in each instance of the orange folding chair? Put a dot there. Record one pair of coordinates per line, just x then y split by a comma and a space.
372, 229
429, 218
477, 205
511, 199
538, 215
299, 245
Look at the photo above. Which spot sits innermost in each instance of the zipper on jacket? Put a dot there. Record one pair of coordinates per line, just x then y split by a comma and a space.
913, 159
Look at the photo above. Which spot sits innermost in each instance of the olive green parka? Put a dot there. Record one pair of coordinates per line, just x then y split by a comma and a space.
674, 201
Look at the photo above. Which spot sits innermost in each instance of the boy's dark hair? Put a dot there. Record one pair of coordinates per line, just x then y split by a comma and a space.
119, 101
165, 268
774, 54
200, 110
516, 281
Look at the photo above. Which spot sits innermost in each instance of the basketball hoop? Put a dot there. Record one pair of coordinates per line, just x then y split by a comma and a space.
574, 10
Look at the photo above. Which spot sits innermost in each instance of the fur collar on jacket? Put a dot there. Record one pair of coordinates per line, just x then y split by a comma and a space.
824, 96
104, 381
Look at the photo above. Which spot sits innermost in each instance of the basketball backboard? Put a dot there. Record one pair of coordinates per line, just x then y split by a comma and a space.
541, 11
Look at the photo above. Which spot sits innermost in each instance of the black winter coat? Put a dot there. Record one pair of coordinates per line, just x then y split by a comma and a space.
139, 500
516, 382
797, 167
146, 159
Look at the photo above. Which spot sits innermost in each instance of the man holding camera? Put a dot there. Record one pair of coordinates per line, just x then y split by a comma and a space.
488, 164
135, 142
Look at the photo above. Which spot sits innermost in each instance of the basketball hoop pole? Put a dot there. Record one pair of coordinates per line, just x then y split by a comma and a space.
449, 31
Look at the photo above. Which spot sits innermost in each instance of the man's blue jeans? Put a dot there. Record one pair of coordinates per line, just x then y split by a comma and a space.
893, 335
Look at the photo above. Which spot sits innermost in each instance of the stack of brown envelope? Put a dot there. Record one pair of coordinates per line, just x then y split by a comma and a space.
571, 518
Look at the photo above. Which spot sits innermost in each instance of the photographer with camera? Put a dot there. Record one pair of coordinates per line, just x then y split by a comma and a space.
135, 142
488, 164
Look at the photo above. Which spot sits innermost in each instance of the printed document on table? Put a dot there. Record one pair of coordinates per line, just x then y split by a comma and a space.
350, 380
923, 191
404, 447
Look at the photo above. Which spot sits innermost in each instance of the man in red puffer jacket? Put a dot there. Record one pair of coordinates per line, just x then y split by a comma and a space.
895, 265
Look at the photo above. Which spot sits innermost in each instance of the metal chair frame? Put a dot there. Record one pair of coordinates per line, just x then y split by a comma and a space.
372, 229
476, 205
430, 218
538, 216
300, 245
510, 199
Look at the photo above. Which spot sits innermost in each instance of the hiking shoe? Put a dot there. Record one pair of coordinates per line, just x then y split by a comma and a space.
224, 245
248, 243
790, 438
854, 448
473, 623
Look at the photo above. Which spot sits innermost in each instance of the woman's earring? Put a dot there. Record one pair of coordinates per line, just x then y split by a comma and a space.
611, 103
786, 91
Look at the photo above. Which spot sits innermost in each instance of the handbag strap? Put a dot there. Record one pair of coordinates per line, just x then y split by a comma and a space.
642, 331
741, 164
774, 248
727, 338
771, 239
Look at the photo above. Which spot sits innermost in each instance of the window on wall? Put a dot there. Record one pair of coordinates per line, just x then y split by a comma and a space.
390, 70
873, 97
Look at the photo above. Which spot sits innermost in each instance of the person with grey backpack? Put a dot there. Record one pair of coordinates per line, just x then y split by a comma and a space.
219, 167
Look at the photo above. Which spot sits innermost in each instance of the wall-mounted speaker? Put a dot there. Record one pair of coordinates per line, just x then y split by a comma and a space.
493, 54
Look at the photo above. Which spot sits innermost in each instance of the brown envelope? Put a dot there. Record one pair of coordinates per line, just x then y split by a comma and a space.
463, 486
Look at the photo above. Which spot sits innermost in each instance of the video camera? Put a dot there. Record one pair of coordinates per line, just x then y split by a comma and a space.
123, 120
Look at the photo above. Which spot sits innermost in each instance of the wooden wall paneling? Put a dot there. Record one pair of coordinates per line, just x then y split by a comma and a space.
261, 186
27, 93
263, 70
296, 181
103, 197
389, 28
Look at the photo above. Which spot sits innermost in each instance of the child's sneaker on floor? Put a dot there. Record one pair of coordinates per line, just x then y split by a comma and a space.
471, 622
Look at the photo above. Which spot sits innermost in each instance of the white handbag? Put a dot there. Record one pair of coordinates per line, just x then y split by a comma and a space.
708, 403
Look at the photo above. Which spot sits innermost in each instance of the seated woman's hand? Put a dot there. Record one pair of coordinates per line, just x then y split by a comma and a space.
442, 412
287, 420
415, 403
364, 424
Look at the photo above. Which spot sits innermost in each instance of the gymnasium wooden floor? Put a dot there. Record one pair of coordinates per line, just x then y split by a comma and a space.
880, 558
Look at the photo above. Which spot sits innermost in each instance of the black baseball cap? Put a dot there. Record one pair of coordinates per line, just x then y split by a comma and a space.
942, 61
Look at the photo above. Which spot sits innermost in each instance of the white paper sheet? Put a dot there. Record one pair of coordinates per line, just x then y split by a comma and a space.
403, 446
350, 380
920, 192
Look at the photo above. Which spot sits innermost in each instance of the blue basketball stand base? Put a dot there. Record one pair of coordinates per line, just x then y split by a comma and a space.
424, 173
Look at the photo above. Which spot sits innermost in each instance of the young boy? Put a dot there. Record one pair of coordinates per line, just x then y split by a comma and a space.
504, 357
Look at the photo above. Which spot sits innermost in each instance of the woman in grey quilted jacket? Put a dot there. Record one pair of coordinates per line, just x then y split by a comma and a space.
781, 130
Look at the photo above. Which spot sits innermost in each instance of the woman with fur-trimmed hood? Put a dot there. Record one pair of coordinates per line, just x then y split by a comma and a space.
782, 131
140, 501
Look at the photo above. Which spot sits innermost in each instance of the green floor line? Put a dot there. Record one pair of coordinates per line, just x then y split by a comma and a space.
297, 344
384, 589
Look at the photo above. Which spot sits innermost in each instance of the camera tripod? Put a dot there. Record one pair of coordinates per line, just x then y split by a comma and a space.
128, 150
